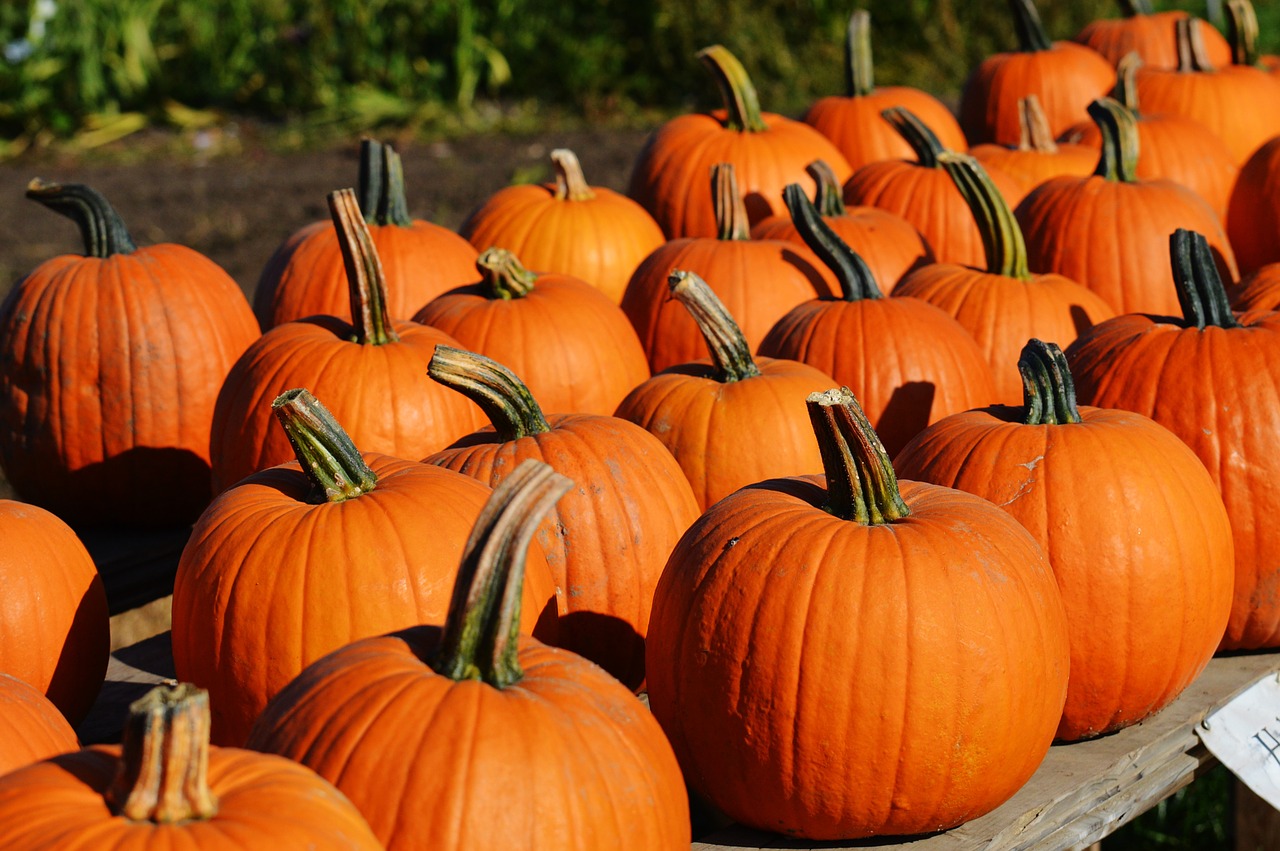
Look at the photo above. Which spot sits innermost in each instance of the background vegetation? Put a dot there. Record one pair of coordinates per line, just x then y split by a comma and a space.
94, 70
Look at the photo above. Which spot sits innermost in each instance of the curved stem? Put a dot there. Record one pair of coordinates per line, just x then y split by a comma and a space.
164, 758
1048, 390
1126, 90
828, 197
1119, 127
381, 186
736, 90
1242, 31
730, 352
1191, 51
101, 229
503, 397
483, 624
732, 222
1133, 8
1026, 20
1200, 291
861, 484
332, 463
857, 55
503, 276
366, 282
924, 143
1036, 134
1002, 239
571, 184
854, 276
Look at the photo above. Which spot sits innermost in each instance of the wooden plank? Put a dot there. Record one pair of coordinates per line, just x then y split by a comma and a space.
1257, 822
131, 673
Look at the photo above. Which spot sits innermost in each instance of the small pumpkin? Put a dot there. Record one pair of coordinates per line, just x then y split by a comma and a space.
1253, 221
1036, 157
31, 727
1258, 290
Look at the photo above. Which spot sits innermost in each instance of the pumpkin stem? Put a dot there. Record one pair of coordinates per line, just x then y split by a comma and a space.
852, 272
828, 197
1026, 20
503, 397
329, 458
1002, 239
483, 624
1119, 127
923, 141
1242, 31
164, 758
381, 186
101, 229
366, 282
1048, 390
732, 222
861, 484
571, 184
1133, 8
736, 90
730, 352
857, 55
1192, 56
502, 276
1034, 127
1126, 89
1200, 291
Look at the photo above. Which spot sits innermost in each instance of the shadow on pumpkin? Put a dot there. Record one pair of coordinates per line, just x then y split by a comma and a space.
905, 415
610, 642
83, 660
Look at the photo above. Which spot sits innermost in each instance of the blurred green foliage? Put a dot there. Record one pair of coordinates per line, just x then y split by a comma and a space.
106, 67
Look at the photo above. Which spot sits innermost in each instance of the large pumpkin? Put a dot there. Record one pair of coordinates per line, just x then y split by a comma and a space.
1149, 34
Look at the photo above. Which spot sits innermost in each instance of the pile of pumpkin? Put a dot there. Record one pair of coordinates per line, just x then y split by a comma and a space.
785, 438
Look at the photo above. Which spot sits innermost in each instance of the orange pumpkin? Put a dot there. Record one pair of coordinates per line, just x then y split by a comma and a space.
31, 727
1259, 290
1036, 157
1253, 223
1150, 34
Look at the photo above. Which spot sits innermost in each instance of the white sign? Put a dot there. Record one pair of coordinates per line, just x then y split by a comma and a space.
1245, 737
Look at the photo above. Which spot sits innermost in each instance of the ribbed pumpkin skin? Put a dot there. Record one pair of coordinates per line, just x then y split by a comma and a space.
1148, 589
600, 240
31, 727
606, 540
855, 126
53, 612
1113, 237
1030, 168
380, 394
1253, 222
1217, 390
570, 344
1002, 313
306, 277
890, 690
264, 802
109, 368
1241, 104
434, 763
1259, 290
268, 582
1152, 37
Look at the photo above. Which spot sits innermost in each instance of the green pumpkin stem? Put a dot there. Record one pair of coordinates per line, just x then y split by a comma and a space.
101, 229
923, 141
381, 186
730, 352
736, 90
732, 222
1036, 135
1119, 127
502, 276
1048, 390
503, 397
332, 463
482, 628
856, 280
1002, 239
828, 196
861, 484
366, 281
1242, 31
1200, 291
1026, 20
857, 55
1126, 88
571, 183
1192, 56
1134, 8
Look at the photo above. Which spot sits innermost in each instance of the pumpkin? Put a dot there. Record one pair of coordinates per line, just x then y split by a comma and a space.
568, 227
53, 609
909, 362
767, 150
852, 121
1065, 75
1213, 379
915, 665
1002, 304
1036, 157
730, 420
306, 276
920, 192
1148, 589
888, 243
1259, 290
31, 727
167, 788
466, 736
1253, 221
607, 540
1149, 34
576, 347
300, 559
370, 371
109, 366
1110, 231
